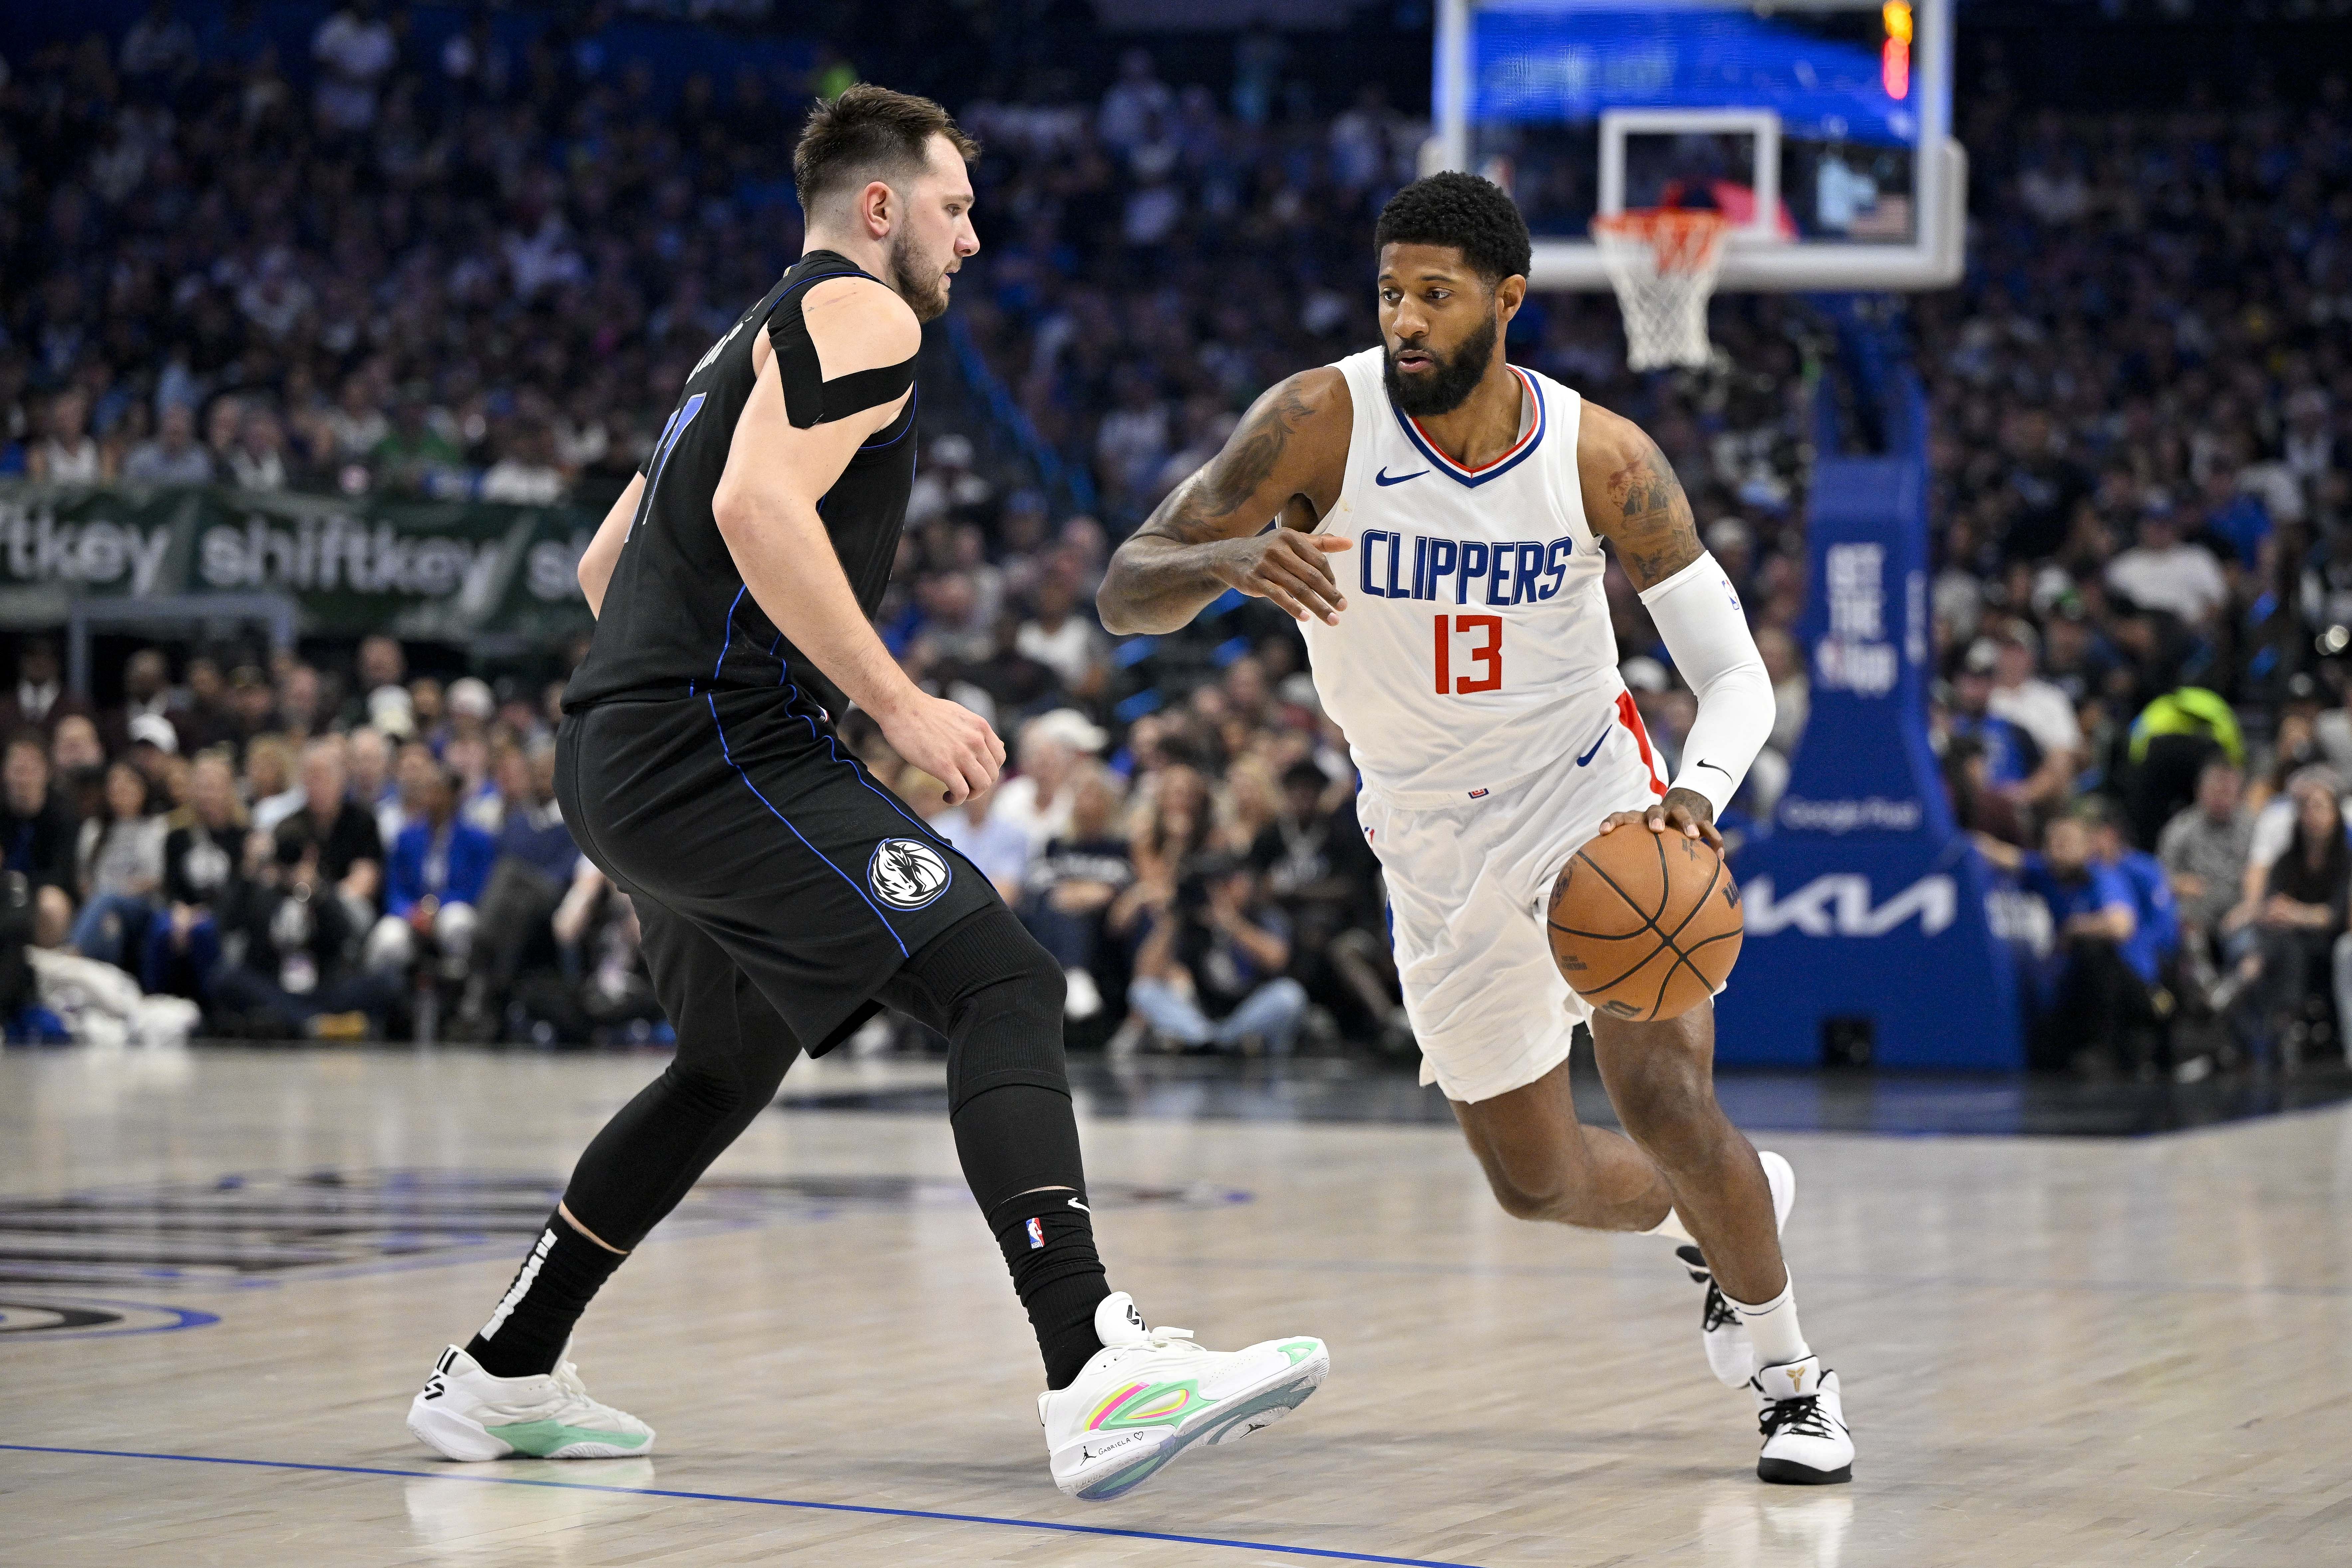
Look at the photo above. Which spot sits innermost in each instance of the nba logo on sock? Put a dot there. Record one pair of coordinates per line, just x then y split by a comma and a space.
1037, 1235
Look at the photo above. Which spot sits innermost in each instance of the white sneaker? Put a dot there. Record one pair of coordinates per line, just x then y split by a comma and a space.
1730, 1354
467, 1414
1149, 1394
1806, 1443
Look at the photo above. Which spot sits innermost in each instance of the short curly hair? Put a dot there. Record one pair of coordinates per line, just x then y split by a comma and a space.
1476, 216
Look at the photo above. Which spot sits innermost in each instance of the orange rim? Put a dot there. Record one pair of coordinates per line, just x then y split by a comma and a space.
1683, 239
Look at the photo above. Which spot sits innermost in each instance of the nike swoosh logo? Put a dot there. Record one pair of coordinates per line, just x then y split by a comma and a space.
1383, 477
1595, 751
1724, 772
1079, 1206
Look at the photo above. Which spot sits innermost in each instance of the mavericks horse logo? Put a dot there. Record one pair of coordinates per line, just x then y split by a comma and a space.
906, 873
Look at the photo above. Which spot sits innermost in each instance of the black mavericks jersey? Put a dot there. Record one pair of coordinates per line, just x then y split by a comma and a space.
677, 620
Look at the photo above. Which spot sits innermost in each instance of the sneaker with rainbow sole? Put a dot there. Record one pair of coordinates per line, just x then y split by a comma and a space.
1150, 1394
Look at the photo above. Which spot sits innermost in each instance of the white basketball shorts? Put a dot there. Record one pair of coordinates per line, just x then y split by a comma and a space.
1468, 882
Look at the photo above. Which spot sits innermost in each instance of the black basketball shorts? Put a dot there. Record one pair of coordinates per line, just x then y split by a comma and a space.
749, 821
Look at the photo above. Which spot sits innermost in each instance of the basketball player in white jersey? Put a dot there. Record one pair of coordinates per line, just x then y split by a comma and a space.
1441, 514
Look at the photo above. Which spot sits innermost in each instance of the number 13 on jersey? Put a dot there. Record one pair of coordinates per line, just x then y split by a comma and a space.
1486, 654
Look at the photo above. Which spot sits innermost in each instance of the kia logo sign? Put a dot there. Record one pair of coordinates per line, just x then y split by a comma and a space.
1839, 905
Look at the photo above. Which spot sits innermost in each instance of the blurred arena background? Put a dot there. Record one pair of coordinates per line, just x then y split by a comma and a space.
328, 334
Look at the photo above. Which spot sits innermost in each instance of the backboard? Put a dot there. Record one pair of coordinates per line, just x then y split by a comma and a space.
1820, 128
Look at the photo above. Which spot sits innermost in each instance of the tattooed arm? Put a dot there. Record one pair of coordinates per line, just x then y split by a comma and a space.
1633, 500
1284, 462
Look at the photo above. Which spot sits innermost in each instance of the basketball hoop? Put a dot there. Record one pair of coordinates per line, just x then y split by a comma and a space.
1662, 262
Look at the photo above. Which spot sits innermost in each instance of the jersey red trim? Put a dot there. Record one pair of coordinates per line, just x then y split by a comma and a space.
1630, 717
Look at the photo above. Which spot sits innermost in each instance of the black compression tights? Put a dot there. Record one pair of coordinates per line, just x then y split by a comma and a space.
987, 986
733, 1051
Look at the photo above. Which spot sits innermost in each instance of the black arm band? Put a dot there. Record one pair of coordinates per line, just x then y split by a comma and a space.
809, 398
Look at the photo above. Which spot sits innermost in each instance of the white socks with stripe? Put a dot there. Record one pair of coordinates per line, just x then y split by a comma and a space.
1772, 1327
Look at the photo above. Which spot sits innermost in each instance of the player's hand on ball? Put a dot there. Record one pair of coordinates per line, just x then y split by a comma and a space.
1683, 811
1288, 567
946, 741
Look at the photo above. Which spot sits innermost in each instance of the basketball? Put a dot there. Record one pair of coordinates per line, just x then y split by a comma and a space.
1645, 925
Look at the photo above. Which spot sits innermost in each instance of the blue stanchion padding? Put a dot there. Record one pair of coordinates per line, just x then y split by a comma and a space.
1889, 928
1865, 907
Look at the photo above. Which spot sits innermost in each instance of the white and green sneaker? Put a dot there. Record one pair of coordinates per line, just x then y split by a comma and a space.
465, 1413
1149, 1394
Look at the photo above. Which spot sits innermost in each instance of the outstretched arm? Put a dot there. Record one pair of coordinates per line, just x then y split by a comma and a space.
1285, 459
1632, 499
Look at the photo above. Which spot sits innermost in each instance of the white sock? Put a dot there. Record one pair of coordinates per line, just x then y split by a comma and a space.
1671, 1228
1772, 1328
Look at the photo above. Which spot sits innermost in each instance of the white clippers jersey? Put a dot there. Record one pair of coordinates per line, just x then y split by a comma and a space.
1475, 645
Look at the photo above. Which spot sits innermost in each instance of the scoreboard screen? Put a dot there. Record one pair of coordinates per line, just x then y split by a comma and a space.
1826, 92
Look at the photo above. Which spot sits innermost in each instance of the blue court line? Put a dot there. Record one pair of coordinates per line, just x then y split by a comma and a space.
757, 1501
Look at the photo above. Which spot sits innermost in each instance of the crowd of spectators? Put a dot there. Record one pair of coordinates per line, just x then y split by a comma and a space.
290, 854
483, 271
2142, 471
277, 851
269, 850
458, 276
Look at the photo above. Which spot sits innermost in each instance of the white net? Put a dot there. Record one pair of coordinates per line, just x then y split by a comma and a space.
1663, 263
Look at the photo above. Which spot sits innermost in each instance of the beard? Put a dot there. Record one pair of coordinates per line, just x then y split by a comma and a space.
921, 284
1443, 389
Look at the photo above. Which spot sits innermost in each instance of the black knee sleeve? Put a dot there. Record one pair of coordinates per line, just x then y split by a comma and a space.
1000, 995
653, 1152
705, 1092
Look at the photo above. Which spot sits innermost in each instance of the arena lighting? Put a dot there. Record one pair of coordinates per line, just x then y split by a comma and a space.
2334, 641
1894, 60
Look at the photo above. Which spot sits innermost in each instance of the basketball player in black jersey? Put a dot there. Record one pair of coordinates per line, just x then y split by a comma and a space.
784, 894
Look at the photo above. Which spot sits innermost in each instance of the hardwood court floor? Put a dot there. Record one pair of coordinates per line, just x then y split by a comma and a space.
2056, 1351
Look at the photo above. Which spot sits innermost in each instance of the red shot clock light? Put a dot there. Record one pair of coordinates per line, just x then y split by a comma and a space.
1894, 60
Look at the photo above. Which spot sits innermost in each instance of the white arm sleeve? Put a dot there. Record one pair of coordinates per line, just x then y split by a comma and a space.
1697, 612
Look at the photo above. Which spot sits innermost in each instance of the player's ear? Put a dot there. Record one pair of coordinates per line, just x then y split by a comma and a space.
1510, 295
878, 207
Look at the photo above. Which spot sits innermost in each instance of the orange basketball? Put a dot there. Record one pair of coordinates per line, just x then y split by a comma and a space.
1645, 925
